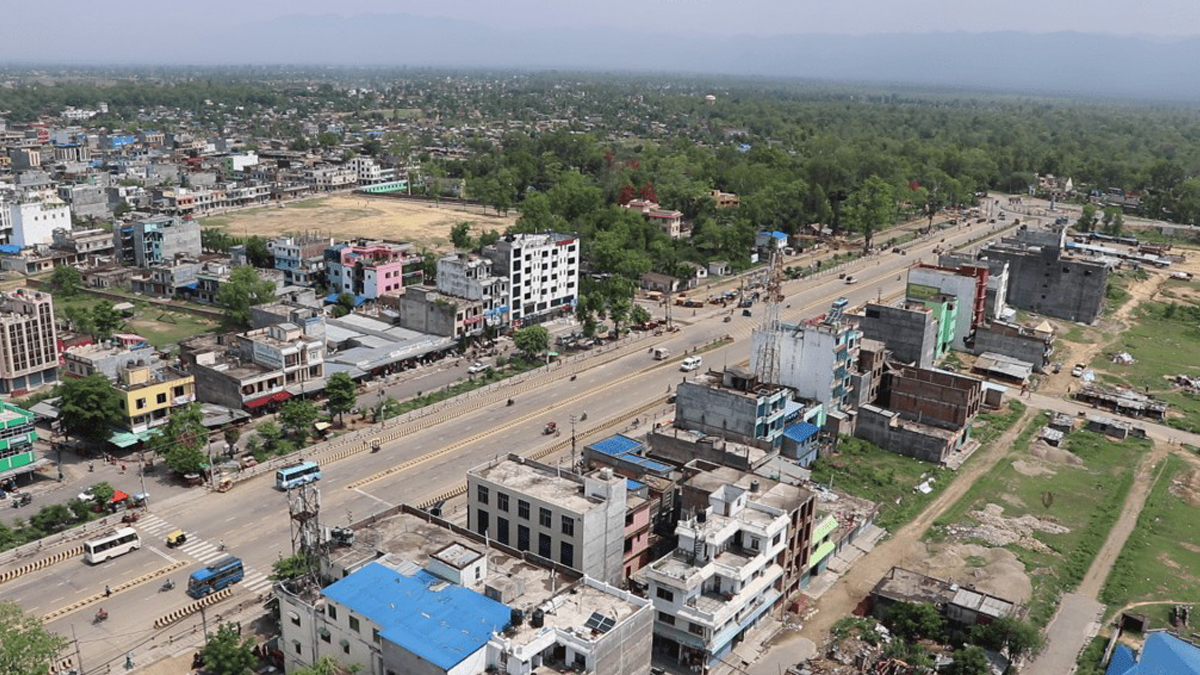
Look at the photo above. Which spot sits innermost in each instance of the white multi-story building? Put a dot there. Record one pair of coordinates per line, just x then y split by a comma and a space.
578, 521
367, 170
542, 272
324, 179
28, 341
721, 579
816, 359
471, 278
33, 222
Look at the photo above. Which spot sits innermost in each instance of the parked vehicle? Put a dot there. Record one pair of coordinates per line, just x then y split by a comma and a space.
224, 572
477, 367
21, 499
297, 474
102, 549
1056, 368
1077, 371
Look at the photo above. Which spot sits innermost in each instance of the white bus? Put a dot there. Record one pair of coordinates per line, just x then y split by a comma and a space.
110, 546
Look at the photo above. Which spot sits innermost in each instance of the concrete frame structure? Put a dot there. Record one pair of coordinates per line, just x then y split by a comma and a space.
542, 272
735, 406
575, 520
28, 341
372, 269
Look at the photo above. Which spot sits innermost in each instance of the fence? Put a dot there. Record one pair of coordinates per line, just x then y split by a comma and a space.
77, 532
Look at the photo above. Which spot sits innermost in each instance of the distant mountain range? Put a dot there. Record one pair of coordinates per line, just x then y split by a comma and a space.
1069, 63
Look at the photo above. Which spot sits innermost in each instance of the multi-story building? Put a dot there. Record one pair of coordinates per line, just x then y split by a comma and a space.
469, 277
156, 240
108, 359
372, 269
34, 222
816, 358
328, 178
735, 406
967, 285
1043, 278
542, 272
148, 393
17, 435
366, 169
444, 601
28, 341
578, 521
426, 310
721, 579
88, 246
301, 257
259, 368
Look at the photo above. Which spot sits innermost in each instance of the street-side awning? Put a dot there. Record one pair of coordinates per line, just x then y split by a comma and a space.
263, 400
125, 439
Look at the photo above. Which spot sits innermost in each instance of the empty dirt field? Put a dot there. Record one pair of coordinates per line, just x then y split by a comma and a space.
349, 216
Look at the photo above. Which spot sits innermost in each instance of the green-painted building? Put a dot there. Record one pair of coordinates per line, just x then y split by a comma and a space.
16, 437
945, 310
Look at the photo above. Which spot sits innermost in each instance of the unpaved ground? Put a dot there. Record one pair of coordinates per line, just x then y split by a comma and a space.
1074, 352
904, 548
346, 216
991, 570
993, 527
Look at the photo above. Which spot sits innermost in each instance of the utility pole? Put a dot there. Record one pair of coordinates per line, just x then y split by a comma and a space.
78, 655
204, 623
142, 478
572, 443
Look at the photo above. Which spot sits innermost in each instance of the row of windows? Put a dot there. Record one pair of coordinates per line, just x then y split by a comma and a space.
566, 550
545, 516
693, 627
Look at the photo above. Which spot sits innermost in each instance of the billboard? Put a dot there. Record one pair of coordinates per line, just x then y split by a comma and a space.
921, 291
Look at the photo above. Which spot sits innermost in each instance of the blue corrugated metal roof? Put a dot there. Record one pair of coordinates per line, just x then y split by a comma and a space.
631, 485
440, 622
616, 445
9, 248
800, 431
1162, 654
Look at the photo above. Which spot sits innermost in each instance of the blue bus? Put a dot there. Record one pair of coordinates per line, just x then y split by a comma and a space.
297, 474
216, 576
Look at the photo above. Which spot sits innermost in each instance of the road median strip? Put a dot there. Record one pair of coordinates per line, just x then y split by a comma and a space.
193, 607
550, 449
120, 588
39, 564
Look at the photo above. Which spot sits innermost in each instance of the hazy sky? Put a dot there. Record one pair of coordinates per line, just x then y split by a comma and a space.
117, 20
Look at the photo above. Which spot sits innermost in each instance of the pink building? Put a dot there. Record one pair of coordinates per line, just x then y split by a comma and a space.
670, 221
372, 269
637, 531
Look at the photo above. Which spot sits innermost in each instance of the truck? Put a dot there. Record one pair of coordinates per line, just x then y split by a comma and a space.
661, 353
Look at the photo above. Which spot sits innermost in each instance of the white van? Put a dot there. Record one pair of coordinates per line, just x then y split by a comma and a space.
690, 363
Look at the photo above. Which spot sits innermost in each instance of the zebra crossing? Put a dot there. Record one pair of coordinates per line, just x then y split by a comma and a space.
204, 551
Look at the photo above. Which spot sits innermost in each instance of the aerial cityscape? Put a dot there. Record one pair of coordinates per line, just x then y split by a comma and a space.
434, 366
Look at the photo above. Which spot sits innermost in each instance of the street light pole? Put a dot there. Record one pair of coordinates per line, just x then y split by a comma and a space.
142, 478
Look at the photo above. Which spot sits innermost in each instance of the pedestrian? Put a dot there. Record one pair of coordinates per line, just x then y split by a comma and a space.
107, 591
122, 467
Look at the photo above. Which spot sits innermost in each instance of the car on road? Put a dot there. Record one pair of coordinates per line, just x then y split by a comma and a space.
478, 367
85, 496
851, 280
1077, 371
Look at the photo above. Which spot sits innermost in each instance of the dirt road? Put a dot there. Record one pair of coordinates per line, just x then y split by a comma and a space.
1143, 481
905, 545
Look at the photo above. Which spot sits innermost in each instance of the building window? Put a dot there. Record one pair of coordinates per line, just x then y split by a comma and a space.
522, 538
502, 501
545, 518
331, 611
375, 635
481, 522
354, 625
141, 403
523, 509
481, 494
545, 549
345, 647
566, 553
628, 545
775, 541
695, 628
568, 526
668, 619
502, 530
161, 398
665, 594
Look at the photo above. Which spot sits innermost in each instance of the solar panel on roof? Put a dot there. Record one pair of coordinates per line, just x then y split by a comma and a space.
600, 623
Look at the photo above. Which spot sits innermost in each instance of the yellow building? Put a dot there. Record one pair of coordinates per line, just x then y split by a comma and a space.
148, 394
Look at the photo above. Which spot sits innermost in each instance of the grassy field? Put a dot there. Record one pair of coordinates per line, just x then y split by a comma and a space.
867, 471
161, 327
1164, 341
1161, 558
1084, 499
